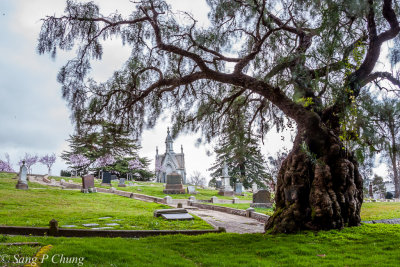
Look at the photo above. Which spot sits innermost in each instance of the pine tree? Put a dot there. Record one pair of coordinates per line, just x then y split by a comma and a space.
241, 151
102, 139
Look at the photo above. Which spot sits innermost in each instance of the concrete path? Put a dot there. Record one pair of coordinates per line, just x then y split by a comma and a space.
387, 221
232, 223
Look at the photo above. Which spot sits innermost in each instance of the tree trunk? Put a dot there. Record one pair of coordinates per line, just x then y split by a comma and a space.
393, 157
395, 176
318, 187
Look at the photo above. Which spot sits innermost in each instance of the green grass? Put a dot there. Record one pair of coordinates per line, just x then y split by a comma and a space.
36, 207
367, 245
156, 190
380, 210
369, 210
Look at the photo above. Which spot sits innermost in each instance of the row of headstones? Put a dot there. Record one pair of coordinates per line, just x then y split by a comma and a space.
239, 189
262, 196
88, 182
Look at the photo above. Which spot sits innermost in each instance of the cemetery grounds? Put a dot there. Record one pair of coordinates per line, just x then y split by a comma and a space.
367, 245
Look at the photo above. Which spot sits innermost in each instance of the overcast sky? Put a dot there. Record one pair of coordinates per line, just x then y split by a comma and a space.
33, 116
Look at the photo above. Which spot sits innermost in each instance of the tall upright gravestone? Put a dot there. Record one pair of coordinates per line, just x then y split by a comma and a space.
121, 182
174, 184
226, 189
239, 189
22, 180
106, 179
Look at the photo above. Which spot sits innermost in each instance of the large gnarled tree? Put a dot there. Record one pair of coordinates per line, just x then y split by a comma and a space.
308, 60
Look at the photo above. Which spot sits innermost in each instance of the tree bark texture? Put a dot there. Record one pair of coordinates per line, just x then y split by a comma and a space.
320, 188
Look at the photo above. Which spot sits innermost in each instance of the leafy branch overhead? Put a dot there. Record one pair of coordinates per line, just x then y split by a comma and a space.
263, 50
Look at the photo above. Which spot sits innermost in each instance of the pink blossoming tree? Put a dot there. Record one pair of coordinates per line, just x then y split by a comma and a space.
48, 161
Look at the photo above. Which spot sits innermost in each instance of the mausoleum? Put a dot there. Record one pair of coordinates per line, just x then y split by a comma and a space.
169, 162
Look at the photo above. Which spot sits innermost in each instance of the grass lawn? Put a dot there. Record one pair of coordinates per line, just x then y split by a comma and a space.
367, 245
369, 211
36, 207
380, 210
156, 190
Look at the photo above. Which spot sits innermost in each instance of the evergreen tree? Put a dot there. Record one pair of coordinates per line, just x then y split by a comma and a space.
107, 147
101, 139
240, 149
378, 186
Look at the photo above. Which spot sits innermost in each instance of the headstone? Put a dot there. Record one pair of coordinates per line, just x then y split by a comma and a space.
192, 198
121, 182
235, 200
261, 199
130, 184
226, 189
87, 184
112, 224
106, 179
22, 180
238, 188
177, 216
254, 187
53, 181
90, 224
157, 213
114, 177
225, 170
262, 196
70, 181
62, 181
214, 199
218, 184
191, 189
174, 184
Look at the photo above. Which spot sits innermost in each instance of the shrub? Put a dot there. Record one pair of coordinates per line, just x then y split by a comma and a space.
65, 173
389, 195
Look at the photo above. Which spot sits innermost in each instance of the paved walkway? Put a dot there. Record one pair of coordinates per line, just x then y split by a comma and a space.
232, 223
387, 221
